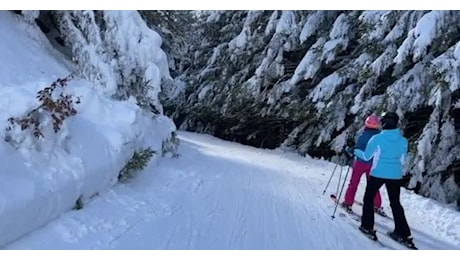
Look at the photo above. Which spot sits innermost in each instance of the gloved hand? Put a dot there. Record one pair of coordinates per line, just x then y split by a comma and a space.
405, 180
350, 151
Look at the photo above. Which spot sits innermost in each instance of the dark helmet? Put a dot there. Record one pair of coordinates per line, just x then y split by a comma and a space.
389, 120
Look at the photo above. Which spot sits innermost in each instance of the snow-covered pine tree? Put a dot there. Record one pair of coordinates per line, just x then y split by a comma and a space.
178, 29
117, 51
305, 81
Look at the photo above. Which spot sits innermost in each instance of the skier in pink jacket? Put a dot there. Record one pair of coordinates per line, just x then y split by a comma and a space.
360, 166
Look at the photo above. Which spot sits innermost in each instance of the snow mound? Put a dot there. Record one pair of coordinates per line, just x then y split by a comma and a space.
42, 178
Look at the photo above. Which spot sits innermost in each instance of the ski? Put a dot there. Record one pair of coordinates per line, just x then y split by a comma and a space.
350, 218
357, 218
334, 198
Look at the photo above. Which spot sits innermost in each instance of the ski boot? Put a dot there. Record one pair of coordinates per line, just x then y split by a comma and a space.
346, 207
406, 241
380, 211
369, 233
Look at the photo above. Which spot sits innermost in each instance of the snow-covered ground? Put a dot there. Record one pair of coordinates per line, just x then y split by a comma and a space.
216, 195
40, 179
222, 195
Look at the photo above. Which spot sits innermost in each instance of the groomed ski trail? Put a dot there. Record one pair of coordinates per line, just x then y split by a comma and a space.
221, 195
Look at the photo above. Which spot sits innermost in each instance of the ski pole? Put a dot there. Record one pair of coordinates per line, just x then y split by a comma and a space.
341, 190
340, 179
330, 178
337, 192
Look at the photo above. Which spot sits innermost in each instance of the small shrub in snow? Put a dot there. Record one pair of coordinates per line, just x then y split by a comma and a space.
138, 162
58, 109
79, 204
169, 146
140, 91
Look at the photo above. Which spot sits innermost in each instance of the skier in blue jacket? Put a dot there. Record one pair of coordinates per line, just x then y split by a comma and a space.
388, 151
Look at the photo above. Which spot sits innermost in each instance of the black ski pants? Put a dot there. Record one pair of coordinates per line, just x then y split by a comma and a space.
393, 189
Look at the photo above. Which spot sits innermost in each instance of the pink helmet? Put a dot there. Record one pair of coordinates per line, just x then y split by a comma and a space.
372, 121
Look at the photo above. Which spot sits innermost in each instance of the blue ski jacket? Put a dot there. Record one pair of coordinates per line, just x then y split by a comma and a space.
388, 151
363, 139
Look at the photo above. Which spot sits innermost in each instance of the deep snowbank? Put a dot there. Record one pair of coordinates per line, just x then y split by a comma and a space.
43, 178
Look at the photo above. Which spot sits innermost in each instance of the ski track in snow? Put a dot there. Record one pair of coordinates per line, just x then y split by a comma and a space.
222, 195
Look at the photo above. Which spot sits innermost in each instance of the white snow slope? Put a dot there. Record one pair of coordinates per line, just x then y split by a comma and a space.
222, 195
40, 179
